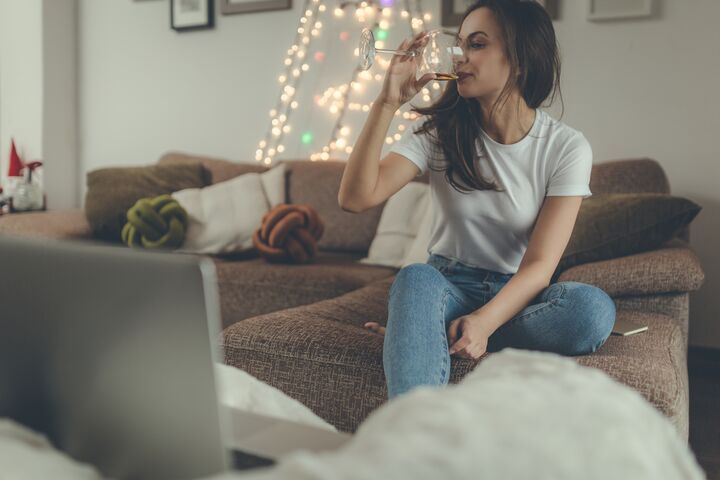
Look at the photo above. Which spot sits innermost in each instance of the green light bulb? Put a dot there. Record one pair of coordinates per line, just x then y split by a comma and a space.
306, 138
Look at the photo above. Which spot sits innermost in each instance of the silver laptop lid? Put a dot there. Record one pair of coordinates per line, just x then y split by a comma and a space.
100, 350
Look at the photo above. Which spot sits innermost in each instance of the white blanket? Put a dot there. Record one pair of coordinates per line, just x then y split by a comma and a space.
518, 415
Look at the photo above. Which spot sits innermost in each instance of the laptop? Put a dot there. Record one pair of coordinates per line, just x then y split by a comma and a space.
109, 352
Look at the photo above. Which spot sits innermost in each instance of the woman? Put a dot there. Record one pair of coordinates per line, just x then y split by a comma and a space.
506, 183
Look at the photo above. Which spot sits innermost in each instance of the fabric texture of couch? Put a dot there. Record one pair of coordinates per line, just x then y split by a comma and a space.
300, 328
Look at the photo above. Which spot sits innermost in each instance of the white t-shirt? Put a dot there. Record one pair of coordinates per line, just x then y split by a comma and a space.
490, 229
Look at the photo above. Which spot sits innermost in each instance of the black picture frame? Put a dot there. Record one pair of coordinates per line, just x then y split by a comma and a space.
180, 25
230, 7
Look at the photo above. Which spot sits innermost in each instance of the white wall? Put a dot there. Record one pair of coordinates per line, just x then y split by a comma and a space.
635, 88
20, 79
38, 92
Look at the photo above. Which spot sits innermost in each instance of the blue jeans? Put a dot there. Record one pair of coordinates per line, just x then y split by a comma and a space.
568, 318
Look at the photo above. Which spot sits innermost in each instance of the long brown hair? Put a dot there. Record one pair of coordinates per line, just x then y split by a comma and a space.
454, 122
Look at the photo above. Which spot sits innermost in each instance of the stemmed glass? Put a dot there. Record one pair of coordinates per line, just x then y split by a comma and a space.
438, 53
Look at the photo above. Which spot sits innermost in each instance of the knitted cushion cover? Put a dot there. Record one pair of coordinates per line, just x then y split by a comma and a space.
289, 234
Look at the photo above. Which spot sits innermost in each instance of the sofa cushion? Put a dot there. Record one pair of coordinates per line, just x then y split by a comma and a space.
68, 224
666, 270
318, 184
254, 287
635, 175
218, 168
112, 191
340, 363
399, 224
653, 363
618, 224
223, 217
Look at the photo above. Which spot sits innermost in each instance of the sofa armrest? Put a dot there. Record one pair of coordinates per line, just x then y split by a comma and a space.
665, 270
58, 224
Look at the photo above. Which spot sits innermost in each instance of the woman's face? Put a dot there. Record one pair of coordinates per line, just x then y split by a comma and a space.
483, 68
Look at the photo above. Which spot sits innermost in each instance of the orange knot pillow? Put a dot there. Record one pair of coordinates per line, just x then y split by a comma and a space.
289, 234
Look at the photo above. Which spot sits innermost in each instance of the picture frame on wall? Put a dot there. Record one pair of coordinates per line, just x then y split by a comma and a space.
191, 15
230, 7
599, 10
451, 11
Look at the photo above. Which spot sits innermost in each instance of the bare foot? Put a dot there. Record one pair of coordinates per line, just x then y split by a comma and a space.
375, 327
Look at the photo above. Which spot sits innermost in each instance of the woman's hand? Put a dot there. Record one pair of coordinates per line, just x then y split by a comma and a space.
473, 336
400, 84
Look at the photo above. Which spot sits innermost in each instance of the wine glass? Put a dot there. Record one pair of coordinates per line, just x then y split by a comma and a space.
438, 55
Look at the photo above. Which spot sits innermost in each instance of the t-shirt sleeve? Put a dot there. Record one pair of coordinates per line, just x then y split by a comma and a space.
415, 147
572, 173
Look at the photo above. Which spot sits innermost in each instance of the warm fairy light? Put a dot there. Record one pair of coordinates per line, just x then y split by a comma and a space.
335, 99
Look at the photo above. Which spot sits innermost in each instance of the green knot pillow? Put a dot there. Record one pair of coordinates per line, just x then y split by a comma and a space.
158, 222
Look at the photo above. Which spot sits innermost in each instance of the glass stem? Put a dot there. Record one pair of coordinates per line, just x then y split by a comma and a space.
397, 52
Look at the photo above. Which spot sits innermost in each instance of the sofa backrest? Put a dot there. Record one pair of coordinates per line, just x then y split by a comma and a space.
635, 175
317, 184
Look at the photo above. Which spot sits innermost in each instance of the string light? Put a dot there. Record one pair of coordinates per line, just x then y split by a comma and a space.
335, 99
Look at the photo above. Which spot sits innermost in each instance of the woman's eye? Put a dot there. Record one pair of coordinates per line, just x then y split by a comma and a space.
477, 45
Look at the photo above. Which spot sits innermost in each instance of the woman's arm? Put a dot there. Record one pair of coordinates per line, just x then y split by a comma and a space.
548, 240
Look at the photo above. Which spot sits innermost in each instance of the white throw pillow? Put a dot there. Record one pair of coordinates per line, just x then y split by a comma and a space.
418, 251
223, 217
398, 226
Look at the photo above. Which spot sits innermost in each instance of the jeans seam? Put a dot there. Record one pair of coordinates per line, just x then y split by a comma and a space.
443, 334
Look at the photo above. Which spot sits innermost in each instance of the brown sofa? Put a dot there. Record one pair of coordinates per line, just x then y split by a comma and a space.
299, 327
